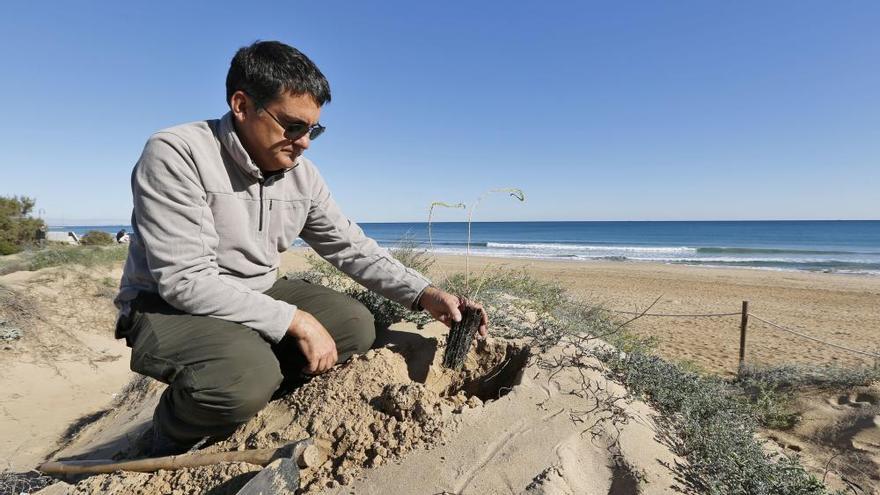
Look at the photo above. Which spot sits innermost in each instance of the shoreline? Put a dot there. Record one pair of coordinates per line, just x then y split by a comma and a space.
803, 266
525, 261
839, 308
824, 271
822, 246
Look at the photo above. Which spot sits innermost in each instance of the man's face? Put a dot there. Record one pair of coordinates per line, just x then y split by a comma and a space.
263, 137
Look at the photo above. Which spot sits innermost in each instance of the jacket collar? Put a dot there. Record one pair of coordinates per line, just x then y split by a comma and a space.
230, 141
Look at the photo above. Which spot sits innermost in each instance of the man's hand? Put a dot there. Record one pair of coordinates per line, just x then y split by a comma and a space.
314, 341
446, 308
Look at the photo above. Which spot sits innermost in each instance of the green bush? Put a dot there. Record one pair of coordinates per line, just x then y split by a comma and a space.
97, 238
7, 247
17, 229
714, 428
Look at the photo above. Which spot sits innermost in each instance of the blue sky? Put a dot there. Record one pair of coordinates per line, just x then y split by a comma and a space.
598, 110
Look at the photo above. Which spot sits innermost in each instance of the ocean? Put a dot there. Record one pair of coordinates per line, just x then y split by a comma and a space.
845, 246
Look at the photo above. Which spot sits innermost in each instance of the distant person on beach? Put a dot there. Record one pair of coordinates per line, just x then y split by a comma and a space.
41, 235
215, 203
122, 237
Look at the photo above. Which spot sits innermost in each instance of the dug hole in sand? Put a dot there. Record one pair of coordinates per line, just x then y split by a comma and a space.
396, 421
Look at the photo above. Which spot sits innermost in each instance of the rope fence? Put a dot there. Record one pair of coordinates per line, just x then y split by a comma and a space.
744, 322
635, 313
814, 339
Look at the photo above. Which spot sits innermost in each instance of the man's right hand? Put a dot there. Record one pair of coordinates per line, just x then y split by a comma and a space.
314, 341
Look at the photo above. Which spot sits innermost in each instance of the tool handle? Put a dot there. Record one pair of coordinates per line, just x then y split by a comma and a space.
306, 454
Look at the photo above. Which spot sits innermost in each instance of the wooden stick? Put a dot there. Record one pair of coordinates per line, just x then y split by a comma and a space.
305, 453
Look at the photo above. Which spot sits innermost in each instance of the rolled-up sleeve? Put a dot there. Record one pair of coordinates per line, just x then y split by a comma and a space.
176, 226
343, 243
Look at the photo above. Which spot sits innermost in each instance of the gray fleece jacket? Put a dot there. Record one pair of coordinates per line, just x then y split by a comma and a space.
210, 227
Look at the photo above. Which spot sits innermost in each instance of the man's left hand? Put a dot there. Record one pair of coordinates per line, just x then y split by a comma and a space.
446, 308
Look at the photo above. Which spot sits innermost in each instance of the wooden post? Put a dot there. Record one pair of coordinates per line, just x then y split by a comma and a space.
744, 323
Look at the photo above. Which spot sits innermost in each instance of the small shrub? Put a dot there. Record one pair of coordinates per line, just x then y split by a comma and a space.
76, 255
713, 428
8, 333
773, 409
542, 296
24, 482
407, 251
107, 287
7, 247
771, 390
97, 238
794, 377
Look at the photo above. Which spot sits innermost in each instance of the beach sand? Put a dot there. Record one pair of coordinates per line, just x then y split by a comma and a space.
842, 309
73, 319
67, 368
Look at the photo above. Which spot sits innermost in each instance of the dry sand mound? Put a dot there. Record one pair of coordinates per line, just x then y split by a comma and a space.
369, 411
372, 411
396, 421
557, 431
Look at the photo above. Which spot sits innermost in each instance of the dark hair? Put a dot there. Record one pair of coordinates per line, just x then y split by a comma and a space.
265, 68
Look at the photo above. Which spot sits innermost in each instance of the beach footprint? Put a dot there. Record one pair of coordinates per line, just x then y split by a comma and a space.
857, 399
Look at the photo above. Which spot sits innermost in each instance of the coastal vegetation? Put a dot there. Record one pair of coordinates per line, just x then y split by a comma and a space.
18, 229
97, 238
711, 422
62, 255
714, 424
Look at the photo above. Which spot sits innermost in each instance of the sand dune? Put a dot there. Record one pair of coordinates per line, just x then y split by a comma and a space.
69, 368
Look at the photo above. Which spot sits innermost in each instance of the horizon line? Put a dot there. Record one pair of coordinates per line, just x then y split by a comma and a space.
84, 223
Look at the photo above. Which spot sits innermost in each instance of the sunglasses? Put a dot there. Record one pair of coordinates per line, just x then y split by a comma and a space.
296, 130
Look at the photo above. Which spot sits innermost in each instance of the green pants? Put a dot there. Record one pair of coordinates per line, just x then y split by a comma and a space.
219, 373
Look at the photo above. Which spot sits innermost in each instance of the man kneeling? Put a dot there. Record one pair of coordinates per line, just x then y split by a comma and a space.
215, 203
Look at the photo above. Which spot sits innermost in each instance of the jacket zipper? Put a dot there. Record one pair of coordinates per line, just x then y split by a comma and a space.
261, 206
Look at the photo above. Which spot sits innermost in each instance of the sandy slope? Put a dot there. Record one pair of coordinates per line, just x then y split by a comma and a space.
399, 423
838, 437
67, 365
533, 440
